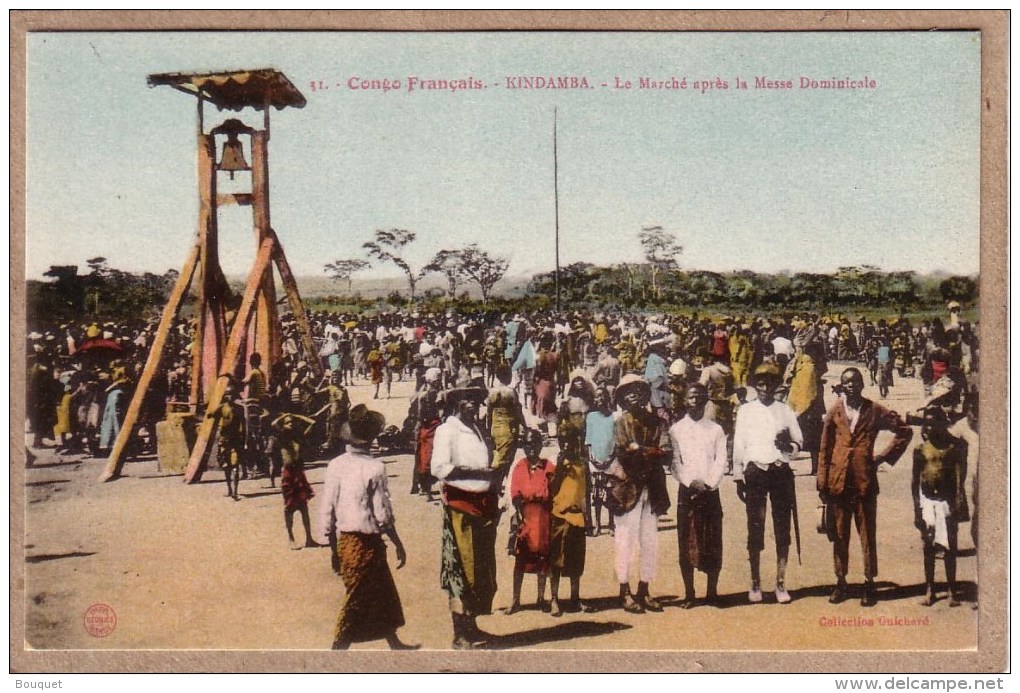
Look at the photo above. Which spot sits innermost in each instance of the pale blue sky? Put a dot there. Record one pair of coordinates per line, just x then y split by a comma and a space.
805, 180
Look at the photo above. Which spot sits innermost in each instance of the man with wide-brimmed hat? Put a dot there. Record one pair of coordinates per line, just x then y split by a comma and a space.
766, 436
637, 494
354, 515
462, 461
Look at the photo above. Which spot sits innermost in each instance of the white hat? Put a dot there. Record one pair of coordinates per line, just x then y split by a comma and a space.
629, 382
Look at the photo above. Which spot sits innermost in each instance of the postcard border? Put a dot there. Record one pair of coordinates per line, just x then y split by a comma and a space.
990, 654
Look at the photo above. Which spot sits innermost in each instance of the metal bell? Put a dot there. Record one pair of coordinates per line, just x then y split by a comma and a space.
233, 156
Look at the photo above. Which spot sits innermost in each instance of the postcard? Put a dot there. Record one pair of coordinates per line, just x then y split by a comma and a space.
508, 342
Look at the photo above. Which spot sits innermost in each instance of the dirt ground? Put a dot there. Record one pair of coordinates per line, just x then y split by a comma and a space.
182, 567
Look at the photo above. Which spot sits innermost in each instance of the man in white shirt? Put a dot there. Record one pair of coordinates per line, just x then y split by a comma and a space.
766, 437
699, 463
462, 461
354, 514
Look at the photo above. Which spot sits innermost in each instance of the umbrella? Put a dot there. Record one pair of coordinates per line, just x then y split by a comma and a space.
100, 346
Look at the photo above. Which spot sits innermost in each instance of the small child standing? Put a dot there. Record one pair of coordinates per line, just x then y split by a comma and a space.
569, 489
229, 437
940, 499
293, 483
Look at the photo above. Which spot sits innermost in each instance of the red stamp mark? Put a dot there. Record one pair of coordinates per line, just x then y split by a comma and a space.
100, 620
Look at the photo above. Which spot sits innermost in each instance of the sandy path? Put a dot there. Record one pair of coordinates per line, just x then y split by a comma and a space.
185, 568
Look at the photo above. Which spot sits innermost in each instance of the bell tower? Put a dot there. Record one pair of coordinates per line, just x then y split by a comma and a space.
224, 338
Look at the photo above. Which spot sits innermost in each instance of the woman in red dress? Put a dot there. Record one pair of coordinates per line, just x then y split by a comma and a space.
529, 492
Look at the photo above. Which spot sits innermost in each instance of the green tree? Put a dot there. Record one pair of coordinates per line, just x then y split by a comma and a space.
98, 266
448, 263
388, 246
900, 288
483, 269
811, 290
660, 249
343, 270
959, 288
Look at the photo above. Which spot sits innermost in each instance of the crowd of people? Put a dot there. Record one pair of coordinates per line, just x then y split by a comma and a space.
623, 399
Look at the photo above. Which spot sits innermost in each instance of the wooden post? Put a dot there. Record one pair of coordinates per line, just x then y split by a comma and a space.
296, 307
264, 334
199, 454
114, 463
207, 261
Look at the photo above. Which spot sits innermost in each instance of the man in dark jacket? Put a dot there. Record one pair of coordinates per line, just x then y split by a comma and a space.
847, 475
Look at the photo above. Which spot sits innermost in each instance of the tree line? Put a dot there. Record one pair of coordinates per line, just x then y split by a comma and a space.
104, 293
643, 285
658, 283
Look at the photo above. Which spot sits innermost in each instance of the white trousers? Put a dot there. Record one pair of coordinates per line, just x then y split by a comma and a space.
637, 529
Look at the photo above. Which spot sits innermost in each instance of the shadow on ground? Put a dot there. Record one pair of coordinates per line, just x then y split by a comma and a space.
57, 556
562, 631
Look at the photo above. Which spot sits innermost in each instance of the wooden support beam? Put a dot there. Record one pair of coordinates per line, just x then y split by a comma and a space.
227, 199
264, 334
200, 453
208, 261
115, 462
296, 306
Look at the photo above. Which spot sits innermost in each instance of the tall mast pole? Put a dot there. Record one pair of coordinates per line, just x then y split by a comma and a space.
556, 196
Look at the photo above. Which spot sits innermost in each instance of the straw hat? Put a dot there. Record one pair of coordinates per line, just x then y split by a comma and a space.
363, 426
454, 396
630, 382
766, 370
